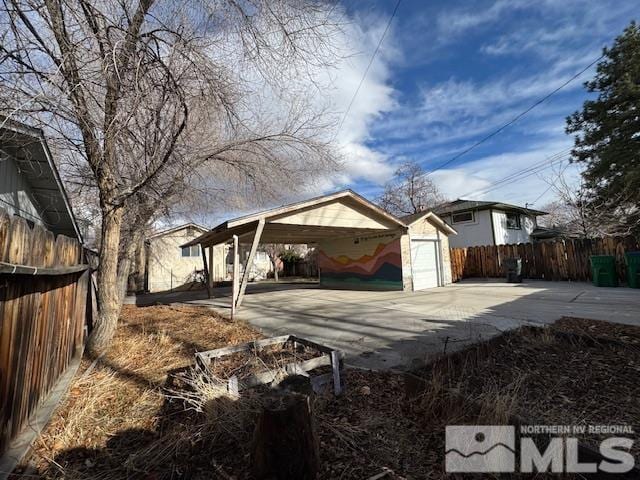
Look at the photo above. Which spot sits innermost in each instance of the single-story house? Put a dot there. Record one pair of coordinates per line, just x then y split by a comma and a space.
168, 265
488, 223
30, 185
358, 244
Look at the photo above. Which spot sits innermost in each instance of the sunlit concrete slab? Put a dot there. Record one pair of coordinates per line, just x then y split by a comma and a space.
392, 329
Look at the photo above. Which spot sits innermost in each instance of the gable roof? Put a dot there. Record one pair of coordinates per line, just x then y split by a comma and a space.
462, 205
428, 215
167, 231
272, 212
289, 232
44, 181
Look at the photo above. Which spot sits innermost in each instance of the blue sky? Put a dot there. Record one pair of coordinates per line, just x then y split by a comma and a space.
449, 73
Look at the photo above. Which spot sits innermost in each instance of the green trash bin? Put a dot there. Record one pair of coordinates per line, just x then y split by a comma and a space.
633, 269
603, 271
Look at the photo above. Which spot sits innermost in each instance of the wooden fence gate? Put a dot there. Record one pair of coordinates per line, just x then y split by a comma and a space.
43, 309
556, 260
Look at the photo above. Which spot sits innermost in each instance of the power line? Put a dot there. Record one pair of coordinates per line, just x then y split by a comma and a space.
523, 173
520, 177
514, 119
548, 160
366, 71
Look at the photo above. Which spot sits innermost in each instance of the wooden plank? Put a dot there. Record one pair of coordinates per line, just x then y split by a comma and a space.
312, 344
5, 234
249, 262
206, 270
328, 357
291, 369
41, 318
335, 367
234, 286
15, 269
243, 347
558, 260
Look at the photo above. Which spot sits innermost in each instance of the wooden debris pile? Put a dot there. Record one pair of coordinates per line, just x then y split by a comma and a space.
270, 360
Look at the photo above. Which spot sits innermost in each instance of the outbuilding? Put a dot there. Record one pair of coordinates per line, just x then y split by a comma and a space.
358, 244
168, 265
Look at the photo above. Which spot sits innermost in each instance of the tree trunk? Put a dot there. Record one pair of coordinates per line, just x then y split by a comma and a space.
129, 250
275, 269
285, 445
109, 301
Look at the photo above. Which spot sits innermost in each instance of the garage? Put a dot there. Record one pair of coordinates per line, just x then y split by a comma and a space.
429, 240
425, 268
359, 246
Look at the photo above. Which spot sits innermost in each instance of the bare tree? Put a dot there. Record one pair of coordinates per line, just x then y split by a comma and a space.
273, 251
410, 191
141, 98
575, 213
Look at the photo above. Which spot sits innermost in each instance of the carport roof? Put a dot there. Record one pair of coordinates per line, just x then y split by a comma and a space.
307, 221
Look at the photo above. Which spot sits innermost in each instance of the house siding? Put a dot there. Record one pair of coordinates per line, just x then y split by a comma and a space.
478, 232
15, 194
166, 267
504, 235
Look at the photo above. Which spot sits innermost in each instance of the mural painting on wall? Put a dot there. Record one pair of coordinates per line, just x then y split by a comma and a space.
367, 262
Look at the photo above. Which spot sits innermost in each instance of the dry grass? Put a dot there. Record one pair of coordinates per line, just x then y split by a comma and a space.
121, 400
122, 420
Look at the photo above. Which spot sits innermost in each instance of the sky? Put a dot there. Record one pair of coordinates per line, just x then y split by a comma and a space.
450, 73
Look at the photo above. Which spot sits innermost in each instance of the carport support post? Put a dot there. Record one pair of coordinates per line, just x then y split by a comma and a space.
247, 266
236, 266
207, 274
211, 269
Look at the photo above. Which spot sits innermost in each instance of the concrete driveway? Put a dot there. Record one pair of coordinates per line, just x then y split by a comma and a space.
392, 329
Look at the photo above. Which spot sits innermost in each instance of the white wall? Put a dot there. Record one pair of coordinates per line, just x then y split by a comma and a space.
477, 232
260, 268
504, 235
166, 267
15, 195
425, 229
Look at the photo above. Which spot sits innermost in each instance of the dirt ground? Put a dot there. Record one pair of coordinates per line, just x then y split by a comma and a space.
576, 372
122, 419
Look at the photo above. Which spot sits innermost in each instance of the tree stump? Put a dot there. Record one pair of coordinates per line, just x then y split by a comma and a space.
285, 445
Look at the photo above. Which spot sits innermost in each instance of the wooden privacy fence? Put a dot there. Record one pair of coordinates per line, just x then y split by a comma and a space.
557, 260
43, 305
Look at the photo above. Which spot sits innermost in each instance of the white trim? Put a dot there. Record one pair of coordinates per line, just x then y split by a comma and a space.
273, 212
473, 217
438, 260
177, 229
430, 215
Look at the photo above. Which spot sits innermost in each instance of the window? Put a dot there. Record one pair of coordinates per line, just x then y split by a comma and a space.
192, 251
463, 217
513, 221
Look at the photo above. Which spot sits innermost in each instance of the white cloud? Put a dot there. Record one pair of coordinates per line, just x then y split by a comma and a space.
476, 179
374, 98
454, 22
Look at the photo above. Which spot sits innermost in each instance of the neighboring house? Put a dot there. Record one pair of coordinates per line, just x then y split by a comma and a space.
168, 265
488, 223
30, 186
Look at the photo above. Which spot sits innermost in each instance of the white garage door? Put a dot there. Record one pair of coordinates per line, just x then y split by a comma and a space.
424, 263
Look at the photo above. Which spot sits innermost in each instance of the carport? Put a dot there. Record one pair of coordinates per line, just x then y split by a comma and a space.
359, 245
